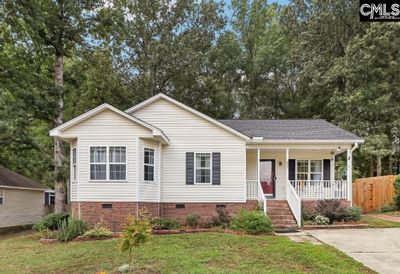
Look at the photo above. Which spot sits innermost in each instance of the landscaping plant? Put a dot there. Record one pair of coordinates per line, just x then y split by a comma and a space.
164, 223
222, 219
50, 222
251, 222
321, 220
70, 229
192, 220
397, 189
98, 232
136, 232
331, 209
352, 214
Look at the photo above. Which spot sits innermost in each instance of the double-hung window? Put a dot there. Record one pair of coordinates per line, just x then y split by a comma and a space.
309, 170
117, 156
74, 164
1, 196
203, 168
148, 164
98, 163
108, 163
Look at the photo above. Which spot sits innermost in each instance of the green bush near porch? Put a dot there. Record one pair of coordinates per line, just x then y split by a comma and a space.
251, 222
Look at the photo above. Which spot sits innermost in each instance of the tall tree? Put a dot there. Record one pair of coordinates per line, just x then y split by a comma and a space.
56, 28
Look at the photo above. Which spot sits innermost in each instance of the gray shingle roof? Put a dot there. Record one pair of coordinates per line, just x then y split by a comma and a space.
302, 129
12, 179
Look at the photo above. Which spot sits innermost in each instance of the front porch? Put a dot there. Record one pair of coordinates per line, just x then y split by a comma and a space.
295, 173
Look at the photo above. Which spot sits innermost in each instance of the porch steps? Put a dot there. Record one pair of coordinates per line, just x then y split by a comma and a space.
281, 215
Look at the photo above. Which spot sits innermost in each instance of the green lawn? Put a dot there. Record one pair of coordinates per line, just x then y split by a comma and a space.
184, 253
378, 223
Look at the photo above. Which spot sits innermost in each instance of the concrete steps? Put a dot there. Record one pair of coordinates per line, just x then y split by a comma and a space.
281, 215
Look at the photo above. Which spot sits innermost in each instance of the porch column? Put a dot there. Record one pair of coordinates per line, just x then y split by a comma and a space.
287, 164
349, 174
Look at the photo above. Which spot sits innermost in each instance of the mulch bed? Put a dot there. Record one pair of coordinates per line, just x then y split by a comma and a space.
155, 232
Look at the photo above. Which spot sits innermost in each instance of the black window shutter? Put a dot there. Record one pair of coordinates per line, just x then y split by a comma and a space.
327, 169
189, 168
292, 169
216, 168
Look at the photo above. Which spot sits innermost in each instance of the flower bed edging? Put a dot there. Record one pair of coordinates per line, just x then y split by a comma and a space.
334, 226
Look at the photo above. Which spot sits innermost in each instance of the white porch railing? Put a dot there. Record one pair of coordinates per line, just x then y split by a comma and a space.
255, 192
320, 189
294, 202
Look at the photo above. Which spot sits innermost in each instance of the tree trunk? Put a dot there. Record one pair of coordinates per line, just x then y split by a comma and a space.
390, 165
59, 184
371, 167
378, 166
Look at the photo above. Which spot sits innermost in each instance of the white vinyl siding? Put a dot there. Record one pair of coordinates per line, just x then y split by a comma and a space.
190, 133
107, 129
21, 207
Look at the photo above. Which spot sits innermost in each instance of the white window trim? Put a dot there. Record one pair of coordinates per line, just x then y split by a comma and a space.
75, 180
107, 162
153, 165
195, 168
2, 196
309, 169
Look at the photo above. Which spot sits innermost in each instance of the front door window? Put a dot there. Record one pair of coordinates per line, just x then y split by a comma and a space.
267, 176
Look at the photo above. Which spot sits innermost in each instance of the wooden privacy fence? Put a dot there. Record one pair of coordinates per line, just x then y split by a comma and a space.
371, 194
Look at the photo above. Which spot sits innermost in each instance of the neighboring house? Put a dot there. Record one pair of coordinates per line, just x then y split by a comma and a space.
174, 160
21, 199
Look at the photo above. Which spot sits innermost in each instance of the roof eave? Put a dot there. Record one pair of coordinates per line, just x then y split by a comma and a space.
283, 141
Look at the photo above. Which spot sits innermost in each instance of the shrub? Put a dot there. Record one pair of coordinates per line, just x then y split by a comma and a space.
321, 220
387, 208
222, 219
331, 209
397, 190
50, 222
192, 220
308, 214
70, 229
251, 222
164, 223
98, 232
136, 232
352, 214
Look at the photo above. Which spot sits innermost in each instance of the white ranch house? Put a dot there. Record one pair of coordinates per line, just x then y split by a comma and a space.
174, 160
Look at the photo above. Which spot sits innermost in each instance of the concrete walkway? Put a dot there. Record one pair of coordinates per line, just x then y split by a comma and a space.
378, 249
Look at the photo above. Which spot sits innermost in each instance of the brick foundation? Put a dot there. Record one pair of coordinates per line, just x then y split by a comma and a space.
115, 217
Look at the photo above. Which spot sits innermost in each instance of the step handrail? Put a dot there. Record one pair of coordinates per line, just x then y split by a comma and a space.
261, 197
294, 202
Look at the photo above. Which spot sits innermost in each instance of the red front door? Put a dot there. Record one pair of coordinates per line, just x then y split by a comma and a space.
267, 176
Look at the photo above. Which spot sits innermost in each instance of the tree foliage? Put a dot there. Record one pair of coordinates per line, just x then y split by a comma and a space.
309, 59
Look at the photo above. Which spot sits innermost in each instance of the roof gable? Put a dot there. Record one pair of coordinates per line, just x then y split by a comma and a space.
57, 132
187, 108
